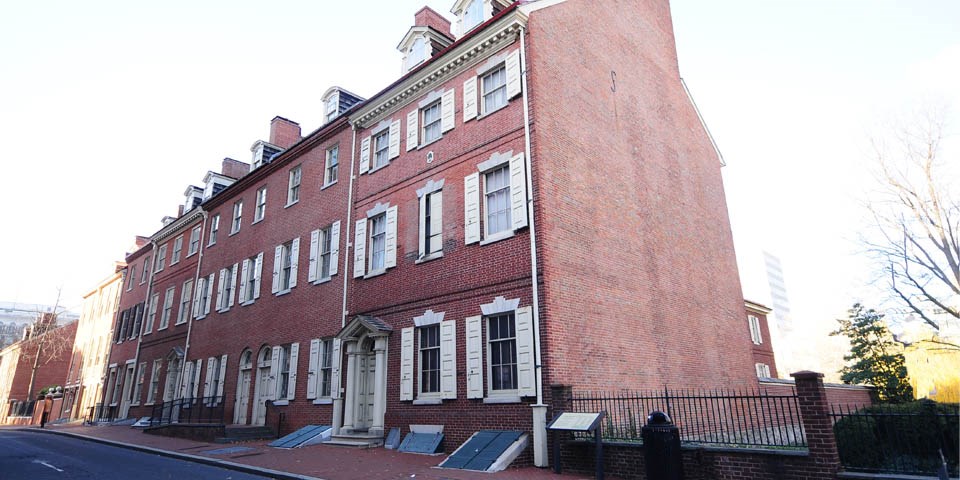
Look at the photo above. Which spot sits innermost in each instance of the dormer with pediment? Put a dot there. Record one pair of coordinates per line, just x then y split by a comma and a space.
429, 34
471, 13
263, 152
336, 101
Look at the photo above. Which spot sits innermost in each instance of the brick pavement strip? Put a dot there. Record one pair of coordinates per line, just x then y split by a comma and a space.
316, 462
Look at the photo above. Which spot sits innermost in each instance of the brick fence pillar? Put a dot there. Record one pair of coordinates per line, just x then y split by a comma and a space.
815, 415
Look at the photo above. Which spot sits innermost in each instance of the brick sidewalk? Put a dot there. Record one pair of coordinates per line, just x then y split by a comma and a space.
320, 461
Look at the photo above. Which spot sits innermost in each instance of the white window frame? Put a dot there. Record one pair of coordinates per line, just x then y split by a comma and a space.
331, 166
251, 273
145, 271
431, 119
183, 312
389, 132
430, 229
138, 384
293, 185
490, 90
285, 268
161, 257
380, 149
433, 349
332, 107
214, 229
131, 275
412, 359
365, 242
260, 210
756, 335
154, 381
325, 369
286, 357
227, 289
324, 253
152, 316
480, 352
177, 250
763, 370
201, 299
167, 308
194, 245
237, 221
476, 198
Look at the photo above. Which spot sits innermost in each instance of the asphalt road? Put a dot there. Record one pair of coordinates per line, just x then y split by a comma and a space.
40, 456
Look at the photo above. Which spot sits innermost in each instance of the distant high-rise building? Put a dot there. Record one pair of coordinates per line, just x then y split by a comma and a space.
778, 293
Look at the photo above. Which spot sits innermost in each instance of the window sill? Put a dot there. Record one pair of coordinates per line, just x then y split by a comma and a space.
375, 273
325, 185
161, 328
191, 254
147, 333
381, 167
283, 292
256, 221
432, 256
179, 323
233, 232
428, 401
290, 204
497, 237
248, 302
322, 280
501, 399
135, 404
149, 404
281, 403
211, 244
431, 142
483, 115
223, 310
201, 317
323, 401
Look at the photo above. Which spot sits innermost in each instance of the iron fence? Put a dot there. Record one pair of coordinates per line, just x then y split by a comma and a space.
188, 410
718, 417
99, 413
913, 438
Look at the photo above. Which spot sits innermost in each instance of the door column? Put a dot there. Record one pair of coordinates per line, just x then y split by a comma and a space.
351, 393
379, 386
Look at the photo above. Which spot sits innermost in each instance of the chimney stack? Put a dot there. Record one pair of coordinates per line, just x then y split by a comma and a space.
427, 17
284, 132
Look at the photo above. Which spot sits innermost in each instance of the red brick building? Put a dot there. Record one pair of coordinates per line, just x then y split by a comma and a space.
763, 358
46, 346
535, 202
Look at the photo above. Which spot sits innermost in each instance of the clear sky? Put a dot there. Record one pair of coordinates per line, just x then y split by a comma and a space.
109, 109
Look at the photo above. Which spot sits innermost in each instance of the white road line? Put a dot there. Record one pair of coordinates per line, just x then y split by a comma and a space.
45, 464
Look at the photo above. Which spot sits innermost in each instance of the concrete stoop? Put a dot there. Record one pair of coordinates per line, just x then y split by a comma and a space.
356, 440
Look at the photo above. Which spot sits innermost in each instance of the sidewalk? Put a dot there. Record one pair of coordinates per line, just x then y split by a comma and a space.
316, 461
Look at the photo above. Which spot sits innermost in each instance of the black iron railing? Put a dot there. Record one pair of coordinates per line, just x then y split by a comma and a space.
99, 412
911, 438
732, 418
188, 410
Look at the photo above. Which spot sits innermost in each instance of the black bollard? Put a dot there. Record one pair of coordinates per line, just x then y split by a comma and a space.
661, 445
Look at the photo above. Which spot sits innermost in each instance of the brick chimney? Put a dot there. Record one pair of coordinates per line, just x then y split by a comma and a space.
427, 17
284, 132
234, 168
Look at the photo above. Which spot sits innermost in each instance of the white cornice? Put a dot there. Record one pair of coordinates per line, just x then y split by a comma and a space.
503, 32
175, 226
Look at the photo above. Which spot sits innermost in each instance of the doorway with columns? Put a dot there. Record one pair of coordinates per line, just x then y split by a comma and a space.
364, 399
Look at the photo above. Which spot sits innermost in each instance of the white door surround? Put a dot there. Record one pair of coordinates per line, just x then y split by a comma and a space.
262, 388
242, 405
365, 397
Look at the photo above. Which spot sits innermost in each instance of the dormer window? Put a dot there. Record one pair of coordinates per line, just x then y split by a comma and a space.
263, 153
336, 101
331, 109
417, 54
472, 15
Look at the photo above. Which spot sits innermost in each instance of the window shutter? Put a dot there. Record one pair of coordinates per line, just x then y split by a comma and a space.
526, 366
196, 298
314, 248
259, 274
221, 300
365, 155
196, 379
223, 375
206, 309
334, 247
187, 374
272, 385
474, 357
207, 379
244, 272
276, 269
312, 368
406, 364
292, 380
759, 368
335, 370
390, 249
413, 129
436, 222
471, 207
294, 260
233, 281
518, 192
513, 74
394, 139
448, 359
360, 249
422, 228
447, 108
470, 99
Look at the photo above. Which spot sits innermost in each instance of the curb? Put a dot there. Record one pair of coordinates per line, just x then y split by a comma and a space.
239, 467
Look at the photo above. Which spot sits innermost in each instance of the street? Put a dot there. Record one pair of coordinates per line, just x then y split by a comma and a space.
38, 456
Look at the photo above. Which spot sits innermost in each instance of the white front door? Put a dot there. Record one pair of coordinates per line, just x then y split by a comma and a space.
366, 389
127, 386
263, 394
243, 404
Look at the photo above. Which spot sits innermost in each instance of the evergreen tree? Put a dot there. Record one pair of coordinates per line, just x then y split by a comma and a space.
875, 357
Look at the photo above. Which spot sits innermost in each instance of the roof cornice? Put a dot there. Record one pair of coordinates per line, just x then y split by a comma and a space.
502, 30
175, 226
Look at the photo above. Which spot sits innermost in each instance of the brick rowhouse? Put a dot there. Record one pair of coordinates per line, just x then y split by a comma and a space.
535, 202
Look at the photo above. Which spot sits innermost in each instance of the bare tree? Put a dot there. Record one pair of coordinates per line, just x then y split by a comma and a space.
45, 342
917, 219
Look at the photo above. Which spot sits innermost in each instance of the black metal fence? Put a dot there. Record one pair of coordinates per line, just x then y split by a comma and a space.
718, 417
904, 438
188, 410
99, 413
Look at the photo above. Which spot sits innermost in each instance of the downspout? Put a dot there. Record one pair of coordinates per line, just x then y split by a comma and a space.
196, 278
146, 312
539, 409
337, 413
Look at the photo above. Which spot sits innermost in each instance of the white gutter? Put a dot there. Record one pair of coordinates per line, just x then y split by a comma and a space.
196, 279
539, 421
346, 256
